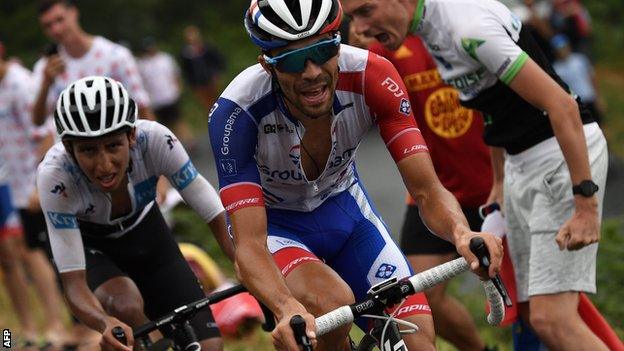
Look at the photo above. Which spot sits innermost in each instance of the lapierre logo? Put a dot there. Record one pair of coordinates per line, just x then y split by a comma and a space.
227, 130
414, 148
243, 202
412, 308
393, 87
6, 338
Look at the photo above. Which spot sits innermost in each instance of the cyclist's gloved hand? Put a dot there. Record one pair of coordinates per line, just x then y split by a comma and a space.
109, 342
283, 337
494, 246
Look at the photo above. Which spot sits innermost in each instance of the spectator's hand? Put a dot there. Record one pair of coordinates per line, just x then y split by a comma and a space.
496, 195
53, 68
583, 228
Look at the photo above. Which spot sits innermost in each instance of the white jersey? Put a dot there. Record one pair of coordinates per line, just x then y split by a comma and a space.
68, 198
465, 38
161, 76
104, 58
480, 47
18, 135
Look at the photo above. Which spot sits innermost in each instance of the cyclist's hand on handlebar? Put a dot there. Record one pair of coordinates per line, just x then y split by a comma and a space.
494, 246
109, 342
283, 336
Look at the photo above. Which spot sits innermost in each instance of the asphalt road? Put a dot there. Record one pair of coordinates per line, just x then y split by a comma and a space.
384, 184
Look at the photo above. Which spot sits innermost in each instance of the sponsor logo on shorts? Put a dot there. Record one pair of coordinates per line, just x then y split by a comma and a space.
243, 202
294, 263
413, 308
385, 271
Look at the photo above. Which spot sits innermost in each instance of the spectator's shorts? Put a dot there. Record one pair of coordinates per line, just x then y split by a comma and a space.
538, 201
417, 239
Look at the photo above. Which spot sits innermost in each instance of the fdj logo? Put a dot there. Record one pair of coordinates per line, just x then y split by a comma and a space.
393, 87
385, 271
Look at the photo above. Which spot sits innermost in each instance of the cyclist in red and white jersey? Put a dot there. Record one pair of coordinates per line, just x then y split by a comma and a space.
285, 134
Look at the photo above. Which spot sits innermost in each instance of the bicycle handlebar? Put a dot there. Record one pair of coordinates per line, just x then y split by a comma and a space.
408, 286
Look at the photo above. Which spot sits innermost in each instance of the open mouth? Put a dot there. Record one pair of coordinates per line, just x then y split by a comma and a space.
315, 96
107, 181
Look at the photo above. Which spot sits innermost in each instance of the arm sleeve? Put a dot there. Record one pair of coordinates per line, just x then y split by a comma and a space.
171, 160
234, 137
58, 200
491, 40
384, 93
127, 72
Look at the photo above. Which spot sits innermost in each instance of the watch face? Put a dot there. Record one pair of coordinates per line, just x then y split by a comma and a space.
588, 188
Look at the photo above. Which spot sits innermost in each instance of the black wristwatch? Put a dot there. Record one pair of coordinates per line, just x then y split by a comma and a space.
586, 188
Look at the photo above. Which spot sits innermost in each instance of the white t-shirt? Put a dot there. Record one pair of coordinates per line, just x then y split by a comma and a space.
160, 74
104, 58
18, 135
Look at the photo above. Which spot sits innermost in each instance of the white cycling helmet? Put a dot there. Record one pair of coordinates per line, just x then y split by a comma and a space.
275, 23
92, 107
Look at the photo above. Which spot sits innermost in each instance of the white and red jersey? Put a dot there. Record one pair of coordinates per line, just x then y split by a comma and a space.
161, 77
257, 143
104, 58
18, 135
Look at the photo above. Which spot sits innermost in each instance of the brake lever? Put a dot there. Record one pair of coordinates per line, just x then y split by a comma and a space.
477, 246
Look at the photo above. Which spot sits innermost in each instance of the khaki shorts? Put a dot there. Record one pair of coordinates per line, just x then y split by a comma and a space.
538, 201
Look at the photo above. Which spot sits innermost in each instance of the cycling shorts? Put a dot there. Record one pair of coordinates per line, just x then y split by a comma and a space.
347, 234
35, 230
417, 239
151, 258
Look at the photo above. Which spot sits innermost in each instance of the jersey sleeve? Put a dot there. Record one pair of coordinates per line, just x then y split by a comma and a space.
58, 203
384, 93
234, 137
127, 72
491, 40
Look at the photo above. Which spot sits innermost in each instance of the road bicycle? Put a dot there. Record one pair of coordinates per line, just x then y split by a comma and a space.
385, 332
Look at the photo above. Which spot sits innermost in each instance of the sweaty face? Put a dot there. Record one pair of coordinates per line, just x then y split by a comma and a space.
385, 20
308, 94
105, 160
59, 22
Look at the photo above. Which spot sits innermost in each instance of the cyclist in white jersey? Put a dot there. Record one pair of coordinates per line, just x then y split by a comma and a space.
551, 152
285, 133
115, 253
75, 54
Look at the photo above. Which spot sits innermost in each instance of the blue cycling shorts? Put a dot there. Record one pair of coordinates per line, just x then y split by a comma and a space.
346, 233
